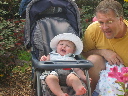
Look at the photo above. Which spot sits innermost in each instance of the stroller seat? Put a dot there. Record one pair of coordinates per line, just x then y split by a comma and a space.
44, 20
49, 27
65, 88
44, 31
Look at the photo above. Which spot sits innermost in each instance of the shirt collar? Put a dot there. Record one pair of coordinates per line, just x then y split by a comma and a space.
67, 55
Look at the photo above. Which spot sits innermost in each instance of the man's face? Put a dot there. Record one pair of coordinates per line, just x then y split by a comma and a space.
109, 24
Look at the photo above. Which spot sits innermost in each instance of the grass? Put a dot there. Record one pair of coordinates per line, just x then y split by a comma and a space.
25, 57
23, 68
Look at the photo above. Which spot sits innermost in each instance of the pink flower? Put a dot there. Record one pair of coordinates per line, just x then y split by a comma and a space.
120, 76
124, 69
94, 19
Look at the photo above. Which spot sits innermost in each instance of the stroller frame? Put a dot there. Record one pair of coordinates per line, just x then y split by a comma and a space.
32, 18
41, 66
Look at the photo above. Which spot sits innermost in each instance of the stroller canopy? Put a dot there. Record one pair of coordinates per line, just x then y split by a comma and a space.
38, 9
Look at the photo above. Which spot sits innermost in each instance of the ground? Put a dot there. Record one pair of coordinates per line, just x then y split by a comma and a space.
18, 84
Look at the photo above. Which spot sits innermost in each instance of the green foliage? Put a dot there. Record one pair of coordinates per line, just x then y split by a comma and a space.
11, 35
24, 55
23, 68
9, 9
125, 6
86, 17
87, 8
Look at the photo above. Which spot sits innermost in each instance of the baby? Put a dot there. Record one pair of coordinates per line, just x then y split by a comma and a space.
65, 46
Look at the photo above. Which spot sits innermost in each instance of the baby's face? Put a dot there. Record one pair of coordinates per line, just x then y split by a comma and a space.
65, 47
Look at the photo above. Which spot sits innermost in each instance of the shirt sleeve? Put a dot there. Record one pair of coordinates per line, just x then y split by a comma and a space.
89, 38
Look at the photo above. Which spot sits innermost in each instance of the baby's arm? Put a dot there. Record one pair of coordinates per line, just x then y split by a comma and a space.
45, 58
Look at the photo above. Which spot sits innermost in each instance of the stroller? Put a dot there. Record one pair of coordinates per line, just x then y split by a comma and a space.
44, 20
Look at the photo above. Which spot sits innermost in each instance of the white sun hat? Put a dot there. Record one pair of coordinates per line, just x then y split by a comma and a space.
67, 36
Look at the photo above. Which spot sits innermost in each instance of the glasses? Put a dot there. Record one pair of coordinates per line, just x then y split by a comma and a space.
108, 23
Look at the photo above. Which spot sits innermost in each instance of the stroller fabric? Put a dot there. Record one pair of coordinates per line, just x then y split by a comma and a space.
66, 9
22, 9
49, 27
44, 20
44, 31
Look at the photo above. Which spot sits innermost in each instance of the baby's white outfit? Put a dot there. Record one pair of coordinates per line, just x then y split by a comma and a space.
62, 73
57, 56
106, 85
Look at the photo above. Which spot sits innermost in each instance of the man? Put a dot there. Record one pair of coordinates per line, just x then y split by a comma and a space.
106, 40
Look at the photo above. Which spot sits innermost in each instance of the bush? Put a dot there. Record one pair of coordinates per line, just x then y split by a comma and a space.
125, 6
11, 41
87, 8
11, 35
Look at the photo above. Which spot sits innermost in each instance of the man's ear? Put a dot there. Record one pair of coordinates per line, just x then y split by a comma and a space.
121, 19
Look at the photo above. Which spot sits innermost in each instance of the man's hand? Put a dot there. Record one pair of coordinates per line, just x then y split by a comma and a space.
111, 57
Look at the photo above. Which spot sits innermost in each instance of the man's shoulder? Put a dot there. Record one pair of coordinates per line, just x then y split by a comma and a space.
94, 25
126, 22
93, 28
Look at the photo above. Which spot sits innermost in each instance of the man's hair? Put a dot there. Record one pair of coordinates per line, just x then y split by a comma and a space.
107, 5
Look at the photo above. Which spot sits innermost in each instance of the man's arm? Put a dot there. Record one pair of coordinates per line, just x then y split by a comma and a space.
109, 55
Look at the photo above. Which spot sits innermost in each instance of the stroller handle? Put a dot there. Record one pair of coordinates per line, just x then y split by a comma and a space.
59, 64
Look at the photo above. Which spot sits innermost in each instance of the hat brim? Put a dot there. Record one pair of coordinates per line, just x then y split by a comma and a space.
68, 36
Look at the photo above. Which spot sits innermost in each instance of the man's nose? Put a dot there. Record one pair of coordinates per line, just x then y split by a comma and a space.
104, 26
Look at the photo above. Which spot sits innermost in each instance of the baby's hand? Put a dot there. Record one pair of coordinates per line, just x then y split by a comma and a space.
85, 81
43, 58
